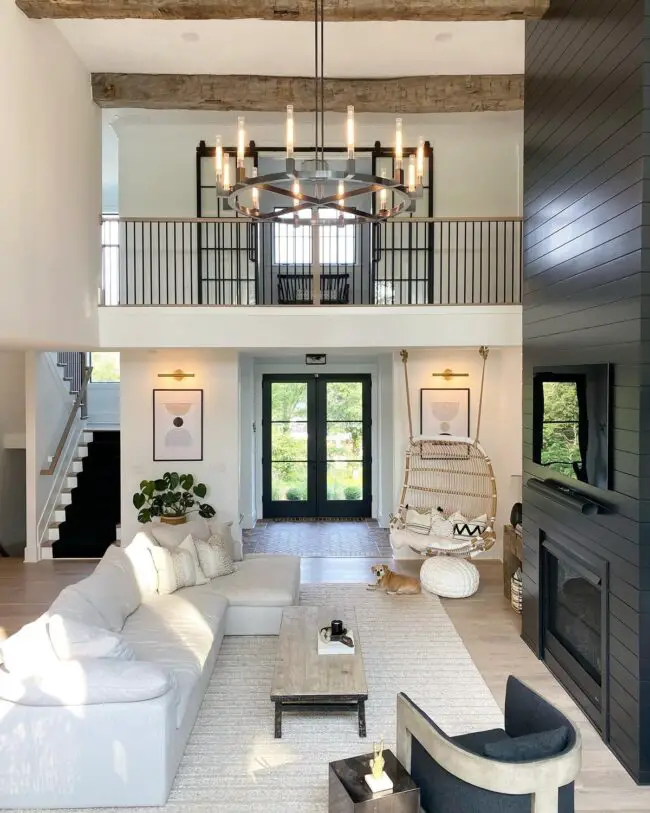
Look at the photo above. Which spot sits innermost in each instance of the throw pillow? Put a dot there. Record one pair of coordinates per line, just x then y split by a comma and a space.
530, 747
73, 640
468, 528
175, 569
419, 522
224, 529
215, 556
29, 651
189, 544
171, 536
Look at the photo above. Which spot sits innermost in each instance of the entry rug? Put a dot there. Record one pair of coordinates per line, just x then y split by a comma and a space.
233, 763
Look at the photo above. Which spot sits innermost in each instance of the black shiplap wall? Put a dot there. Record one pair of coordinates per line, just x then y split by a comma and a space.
586, 228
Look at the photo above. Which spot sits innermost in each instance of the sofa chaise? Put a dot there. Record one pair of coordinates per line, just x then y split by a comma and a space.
109, 731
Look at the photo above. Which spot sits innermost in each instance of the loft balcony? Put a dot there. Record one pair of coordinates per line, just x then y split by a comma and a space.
226, 262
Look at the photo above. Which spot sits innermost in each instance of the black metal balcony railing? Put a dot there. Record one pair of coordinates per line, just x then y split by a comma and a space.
232, 261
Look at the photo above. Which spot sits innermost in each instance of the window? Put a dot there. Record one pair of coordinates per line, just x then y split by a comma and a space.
561, 424
292, 244
111, 259
106, 368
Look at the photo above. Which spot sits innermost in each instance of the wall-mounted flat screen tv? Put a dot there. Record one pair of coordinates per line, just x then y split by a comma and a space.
571, 422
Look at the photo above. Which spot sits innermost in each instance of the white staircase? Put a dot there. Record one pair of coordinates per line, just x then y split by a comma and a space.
65, 494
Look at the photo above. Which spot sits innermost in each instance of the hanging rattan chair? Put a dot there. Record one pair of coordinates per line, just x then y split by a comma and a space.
449, 474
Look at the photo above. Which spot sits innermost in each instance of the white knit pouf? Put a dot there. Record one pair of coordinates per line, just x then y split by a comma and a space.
449, 577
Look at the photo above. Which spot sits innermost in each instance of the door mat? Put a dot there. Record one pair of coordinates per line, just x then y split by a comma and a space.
317, 519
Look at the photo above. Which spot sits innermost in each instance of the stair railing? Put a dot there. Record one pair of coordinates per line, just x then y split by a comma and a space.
78, 404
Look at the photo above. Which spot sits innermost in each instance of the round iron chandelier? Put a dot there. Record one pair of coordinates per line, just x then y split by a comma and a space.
312, 184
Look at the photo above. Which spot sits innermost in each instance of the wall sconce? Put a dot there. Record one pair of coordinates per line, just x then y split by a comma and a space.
178, 375
449, 374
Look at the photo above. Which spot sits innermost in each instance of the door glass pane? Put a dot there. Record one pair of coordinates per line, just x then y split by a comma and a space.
344, 440
289, 481
289, 401
344, 401
289, 441
345, 481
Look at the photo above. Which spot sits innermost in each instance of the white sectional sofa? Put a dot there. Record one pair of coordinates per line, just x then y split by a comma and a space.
108, 731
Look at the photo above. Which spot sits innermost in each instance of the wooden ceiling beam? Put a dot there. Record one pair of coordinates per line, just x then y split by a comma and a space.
335, 10
411, 94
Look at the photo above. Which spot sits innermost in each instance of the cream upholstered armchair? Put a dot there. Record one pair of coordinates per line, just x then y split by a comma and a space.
527, 768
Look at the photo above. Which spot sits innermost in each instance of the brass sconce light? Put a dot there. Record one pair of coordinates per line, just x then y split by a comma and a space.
178, 375
449, 374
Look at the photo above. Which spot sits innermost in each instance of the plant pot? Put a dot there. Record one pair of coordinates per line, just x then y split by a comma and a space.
173, 520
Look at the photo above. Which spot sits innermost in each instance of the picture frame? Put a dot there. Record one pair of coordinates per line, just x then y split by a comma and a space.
178, 425
445, 411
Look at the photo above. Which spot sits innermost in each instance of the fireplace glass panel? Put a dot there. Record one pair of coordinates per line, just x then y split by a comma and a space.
574, 616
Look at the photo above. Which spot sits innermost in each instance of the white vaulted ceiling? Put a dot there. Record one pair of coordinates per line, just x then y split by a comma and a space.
267, 47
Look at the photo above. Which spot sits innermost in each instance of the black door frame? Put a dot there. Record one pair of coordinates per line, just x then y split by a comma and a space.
317, 505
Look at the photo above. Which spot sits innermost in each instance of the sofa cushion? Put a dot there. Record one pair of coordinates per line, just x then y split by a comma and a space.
112, 589
529, 747
72, 604
73, 640
29, 651
177, 632
89, 682
144, 571
261, 581
171, 536
476, 741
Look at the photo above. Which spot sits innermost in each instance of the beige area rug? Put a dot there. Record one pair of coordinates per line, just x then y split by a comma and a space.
233, 763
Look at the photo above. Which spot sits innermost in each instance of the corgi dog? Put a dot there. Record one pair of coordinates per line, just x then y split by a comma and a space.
394, 583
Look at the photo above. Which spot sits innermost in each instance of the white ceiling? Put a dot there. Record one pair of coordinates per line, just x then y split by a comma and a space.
267, 47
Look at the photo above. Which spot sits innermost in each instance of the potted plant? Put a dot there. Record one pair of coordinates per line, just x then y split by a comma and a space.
171, 498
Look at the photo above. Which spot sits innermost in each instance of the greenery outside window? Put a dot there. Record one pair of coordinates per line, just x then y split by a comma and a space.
106, 368
560, 423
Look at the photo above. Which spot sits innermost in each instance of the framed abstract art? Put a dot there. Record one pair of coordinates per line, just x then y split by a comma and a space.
444, 411
178, 425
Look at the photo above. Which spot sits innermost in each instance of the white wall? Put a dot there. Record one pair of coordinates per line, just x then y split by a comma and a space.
103, 399
12, 460
217, 374
315, 328
477, 156
51, 186
501, 422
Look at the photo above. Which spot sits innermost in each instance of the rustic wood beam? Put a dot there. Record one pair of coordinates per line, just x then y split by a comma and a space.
410, 94
335, 10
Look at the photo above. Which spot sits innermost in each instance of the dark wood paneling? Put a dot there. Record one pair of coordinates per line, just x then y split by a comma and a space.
586, 236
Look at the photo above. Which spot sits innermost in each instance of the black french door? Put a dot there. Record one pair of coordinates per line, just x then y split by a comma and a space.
316, 457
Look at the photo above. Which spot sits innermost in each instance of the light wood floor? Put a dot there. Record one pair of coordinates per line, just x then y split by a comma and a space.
488, 627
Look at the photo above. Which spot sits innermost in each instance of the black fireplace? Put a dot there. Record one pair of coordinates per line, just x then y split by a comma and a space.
574, 621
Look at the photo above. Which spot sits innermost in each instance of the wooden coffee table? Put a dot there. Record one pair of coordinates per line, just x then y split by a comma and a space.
306, 681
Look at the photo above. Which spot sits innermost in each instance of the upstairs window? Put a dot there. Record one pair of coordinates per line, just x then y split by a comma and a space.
106, 368
292, 244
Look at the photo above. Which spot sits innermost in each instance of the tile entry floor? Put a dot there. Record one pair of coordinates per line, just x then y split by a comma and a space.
319, 539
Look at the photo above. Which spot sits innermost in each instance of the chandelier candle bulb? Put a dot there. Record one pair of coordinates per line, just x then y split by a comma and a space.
383, 195
241, 142
411, 175
399, 146
256, 193
290, 132
420, 162
350, 133
218, 160
340, 192
226, 171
